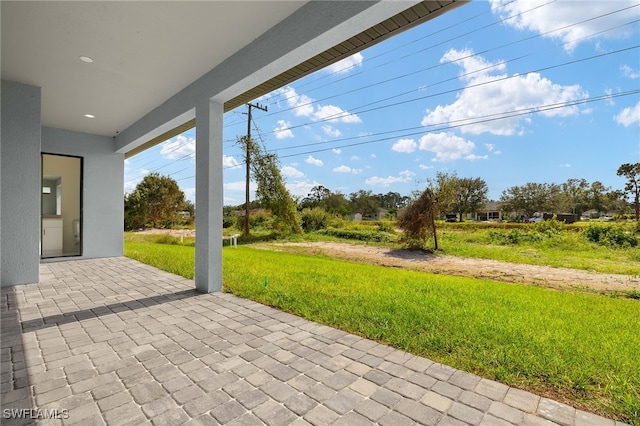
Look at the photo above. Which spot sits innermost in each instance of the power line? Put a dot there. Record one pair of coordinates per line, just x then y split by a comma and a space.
358, 109
368, 107
483, 52
437, 44
462, 122
458, 124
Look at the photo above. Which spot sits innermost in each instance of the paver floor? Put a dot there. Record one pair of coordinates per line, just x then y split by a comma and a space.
113, 341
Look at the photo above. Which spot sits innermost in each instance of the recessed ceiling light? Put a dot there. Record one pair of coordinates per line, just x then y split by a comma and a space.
90, 116
86, 59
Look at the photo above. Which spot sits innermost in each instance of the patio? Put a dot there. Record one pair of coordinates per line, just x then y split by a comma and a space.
113, 341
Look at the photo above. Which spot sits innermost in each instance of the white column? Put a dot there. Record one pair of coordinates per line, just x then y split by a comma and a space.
209, 198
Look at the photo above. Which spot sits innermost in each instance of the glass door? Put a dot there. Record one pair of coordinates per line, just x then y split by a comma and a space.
61, 206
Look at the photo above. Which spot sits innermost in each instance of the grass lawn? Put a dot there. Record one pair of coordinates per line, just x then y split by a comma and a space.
567, 249
571, 346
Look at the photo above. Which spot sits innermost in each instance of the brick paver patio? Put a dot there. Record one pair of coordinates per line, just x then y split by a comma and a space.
113, 341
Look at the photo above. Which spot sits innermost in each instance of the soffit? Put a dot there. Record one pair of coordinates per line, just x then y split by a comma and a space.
144, 52
409, 18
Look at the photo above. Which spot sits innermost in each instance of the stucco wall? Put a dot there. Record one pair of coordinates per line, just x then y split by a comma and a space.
20, 184
102, 188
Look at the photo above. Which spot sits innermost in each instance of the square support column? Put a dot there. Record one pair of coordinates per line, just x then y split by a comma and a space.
209, 196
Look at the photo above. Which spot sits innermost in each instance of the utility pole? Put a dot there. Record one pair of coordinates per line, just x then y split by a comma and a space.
246, 213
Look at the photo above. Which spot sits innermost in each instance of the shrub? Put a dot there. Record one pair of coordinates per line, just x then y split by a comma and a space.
315, 219
516, 236
386, 226
549, 227
257, 221
356, 235
609, 235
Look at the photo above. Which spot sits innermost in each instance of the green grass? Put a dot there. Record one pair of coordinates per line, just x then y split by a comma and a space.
565, 249
581, 346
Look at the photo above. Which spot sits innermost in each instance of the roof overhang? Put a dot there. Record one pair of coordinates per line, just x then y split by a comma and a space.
154, 60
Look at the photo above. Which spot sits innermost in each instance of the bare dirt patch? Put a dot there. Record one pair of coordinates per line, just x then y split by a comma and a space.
173, 232
543, 276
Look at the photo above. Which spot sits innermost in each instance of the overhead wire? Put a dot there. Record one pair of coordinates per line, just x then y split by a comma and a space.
475, 54
443, 63
361, 109
439, 127
353, 75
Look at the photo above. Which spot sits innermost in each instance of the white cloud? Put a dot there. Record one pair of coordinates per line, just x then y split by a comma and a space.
629, 72
492, 148
425, 167
354, 158
282, 131
228, 162
314, 161
301, 188
473, 66
129, 186
548, 18
446, 146
334, 114
629, 116
473, 157
373, 155
330, 131
190, 194
291, 172
496, 96
336, 150
405, 145
303, 106
566, 165
347, 169
179, 148
345, 65
403, 177
239, 187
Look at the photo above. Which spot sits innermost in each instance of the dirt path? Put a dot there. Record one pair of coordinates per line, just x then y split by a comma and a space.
543, 276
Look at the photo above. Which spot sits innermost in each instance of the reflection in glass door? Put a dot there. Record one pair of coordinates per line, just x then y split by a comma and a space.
61, 206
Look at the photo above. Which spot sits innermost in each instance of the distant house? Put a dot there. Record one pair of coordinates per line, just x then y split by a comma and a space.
491, 212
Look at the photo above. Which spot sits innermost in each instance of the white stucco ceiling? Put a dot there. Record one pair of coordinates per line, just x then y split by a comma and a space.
143, 52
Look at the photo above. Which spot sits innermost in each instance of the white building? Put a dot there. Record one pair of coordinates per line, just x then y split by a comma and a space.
97, 82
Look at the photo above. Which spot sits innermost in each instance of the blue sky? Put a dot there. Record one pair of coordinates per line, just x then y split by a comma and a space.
508, 91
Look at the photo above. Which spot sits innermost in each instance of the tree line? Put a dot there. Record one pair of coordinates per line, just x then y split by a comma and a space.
158, 201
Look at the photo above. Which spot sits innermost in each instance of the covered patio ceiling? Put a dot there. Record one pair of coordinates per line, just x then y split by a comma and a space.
118, 61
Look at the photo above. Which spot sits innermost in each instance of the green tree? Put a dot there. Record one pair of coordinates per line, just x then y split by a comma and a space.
336, 203
529, 198
470, 196
156, 199
417, 220
314, 198
632, 186
271, 190
443, 191
133, 212
574, 196
363, 202
616, 202
597, 196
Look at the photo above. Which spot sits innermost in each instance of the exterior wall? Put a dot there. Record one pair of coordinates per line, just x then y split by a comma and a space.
20, 184
102, 188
